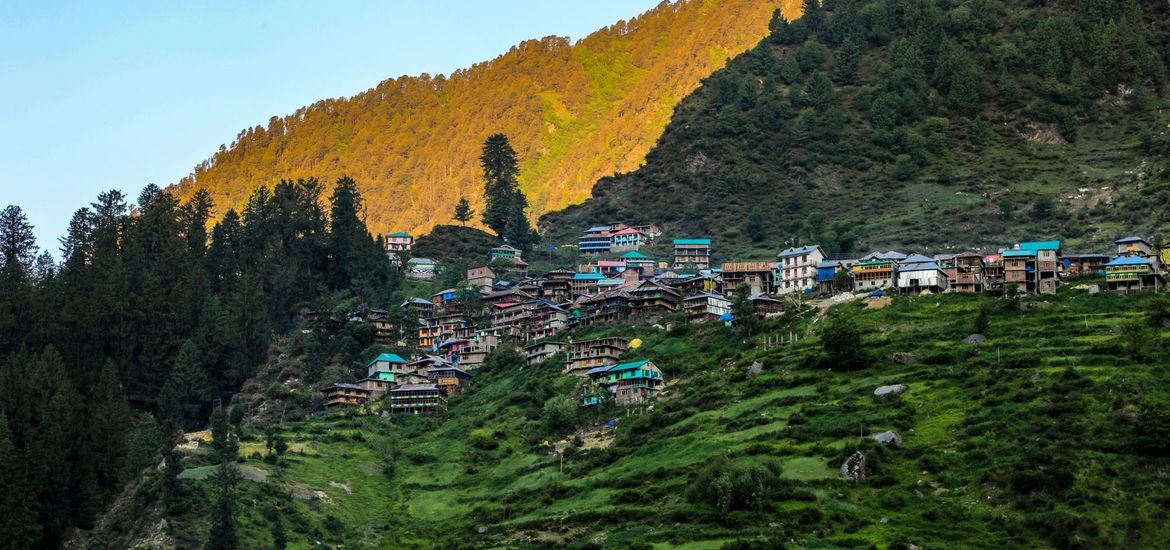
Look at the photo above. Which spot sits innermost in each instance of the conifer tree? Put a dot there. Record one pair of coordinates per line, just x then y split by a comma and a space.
463, 211
847, 60
186, 392
500, 170
18, 526
223, 535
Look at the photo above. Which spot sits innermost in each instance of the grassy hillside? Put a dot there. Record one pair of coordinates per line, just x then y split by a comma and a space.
574, 111
1047, 435
903, 123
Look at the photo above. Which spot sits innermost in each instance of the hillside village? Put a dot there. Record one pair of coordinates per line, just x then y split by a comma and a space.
501, 304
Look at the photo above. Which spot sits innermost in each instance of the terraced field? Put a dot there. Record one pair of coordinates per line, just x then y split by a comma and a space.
1024, 440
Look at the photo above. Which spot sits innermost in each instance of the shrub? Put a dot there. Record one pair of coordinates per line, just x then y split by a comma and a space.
743, 484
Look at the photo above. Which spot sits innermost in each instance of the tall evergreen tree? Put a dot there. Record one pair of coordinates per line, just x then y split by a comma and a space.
223, 535
18, 244
500, 171
18, 525
186, 392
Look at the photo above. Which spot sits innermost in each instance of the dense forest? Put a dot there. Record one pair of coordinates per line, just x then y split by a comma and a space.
147, 321
575, 111
936, 125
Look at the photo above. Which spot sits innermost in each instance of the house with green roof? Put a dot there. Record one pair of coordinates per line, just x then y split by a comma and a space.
629, 383
640, 263
385, 366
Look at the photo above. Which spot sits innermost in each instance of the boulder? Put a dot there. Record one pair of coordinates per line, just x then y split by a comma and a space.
975, 339
755, 369
889, 390
904, 358
853, 468
888, 437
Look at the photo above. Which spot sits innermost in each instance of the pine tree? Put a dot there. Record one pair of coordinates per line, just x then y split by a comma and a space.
790, 71
172, 488
279, 537
518, 232
463, 211
186, 392
845, 68
819, 91
18, 243
500, 170
18, 525
222, 439
223, 534
743, 310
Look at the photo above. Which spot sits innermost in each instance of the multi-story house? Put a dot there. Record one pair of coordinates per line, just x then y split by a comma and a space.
1047, 265
626, 239
399, 243
827, 272
585, 284
589, 354
1019, 270
695, 253
482, 343
344, 395
386, 366
757, 275
652, 297
504, 252
630, 383
1084, 264
449, 378
707, 306
421, 269
965, 272
481, 278
920, 273
435, 329
1133, 274
639, 263
595, 240
417, 399
537, 352
795, 269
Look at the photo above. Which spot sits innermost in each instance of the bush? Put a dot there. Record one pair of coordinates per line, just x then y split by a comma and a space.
841, 340
743, 484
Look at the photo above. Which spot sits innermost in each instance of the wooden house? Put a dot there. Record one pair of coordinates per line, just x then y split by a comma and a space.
590, 354
421, 307
536, 352
757, 275
610, 268
630, 383
1084, 264
450, 379
508, 295
707, 306
445, 325
1133, 274
965, 272
653, 297
993, 272
637, 262
612, 305
827, 271
344, 395
694, 253
375, 388
417, 399
795, 269
546, 319
1134, 247
764, 305
483, 342
1019, 270
584, 284
445, 298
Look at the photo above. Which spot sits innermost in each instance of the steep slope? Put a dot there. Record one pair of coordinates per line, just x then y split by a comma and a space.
574, 112
1048, 435
917, 124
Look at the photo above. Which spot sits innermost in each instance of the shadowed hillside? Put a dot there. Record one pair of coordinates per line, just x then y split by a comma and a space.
918, 125
574, 112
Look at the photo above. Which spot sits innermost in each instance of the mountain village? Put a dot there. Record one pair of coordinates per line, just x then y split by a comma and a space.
532, 311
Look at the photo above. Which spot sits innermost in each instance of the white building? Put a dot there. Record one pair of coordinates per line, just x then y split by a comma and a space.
795, 269
919, 276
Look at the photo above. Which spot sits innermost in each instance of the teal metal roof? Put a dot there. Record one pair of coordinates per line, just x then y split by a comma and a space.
588, 277
628, 366
391, 357
693, 241
1018, 253
1040, 245
633, 254
400, 234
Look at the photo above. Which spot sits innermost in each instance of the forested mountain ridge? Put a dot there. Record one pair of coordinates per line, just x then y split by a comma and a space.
574, 112
916, 124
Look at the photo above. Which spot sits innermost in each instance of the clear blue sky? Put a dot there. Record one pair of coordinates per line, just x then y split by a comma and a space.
117, 95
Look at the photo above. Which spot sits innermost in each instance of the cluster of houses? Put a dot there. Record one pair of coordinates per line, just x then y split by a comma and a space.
459, 327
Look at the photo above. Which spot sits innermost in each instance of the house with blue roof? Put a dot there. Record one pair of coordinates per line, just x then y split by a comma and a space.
1128, 274
920, 276
1033, 267
595, 240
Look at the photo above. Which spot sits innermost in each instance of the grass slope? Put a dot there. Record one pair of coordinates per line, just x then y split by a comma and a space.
1024, 441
